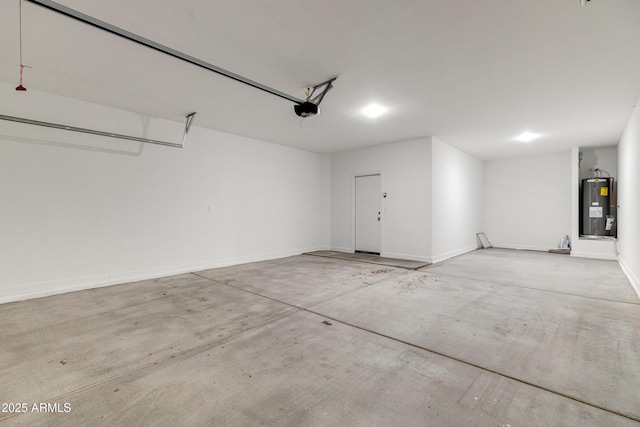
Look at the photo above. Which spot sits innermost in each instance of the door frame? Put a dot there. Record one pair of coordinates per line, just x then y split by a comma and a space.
353, 207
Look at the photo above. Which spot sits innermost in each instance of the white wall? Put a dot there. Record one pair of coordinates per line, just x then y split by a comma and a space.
433, 208
603, 158
405, 169
457, 192
629, 199
81, 211
527, 203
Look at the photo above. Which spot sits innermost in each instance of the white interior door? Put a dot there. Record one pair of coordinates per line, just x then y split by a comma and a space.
368, 219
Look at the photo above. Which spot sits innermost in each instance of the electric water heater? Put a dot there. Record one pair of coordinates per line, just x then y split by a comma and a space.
597, 217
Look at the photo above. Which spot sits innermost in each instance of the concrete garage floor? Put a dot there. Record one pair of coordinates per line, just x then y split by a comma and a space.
490, 338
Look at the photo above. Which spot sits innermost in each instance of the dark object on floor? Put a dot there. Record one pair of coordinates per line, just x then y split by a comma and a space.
371, 259
560, 251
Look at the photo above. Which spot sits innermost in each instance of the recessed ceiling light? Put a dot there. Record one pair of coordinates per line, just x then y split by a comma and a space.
527, 136
374, 110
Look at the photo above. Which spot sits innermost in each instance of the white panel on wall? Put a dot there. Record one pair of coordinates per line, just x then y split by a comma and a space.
629, 199
405, 169
80, 211
527, 202
457, 201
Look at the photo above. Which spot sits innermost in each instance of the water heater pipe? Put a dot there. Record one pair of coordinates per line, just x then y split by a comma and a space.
612, 202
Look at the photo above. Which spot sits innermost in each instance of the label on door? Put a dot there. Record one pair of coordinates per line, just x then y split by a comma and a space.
604, 191
595, 212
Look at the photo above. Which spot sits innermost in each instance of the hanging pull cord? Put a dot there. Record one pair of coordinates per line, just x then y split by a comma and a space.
22, 66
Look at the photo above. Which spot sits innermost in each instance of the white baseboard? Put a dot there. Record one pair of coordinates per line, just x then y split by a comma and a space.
406, 256
412, 257
341, 249
594, 255
574, 253
521, 247
33, 290
27, 291
451, 254
635, 281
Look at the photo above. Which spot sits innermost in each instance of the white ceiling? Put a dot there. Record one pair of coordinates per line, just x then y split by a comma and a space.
472, 73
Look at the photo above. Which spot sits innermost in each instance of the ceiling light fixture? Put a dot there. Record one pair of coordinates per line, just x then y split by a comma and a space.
527, 136
374, 110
